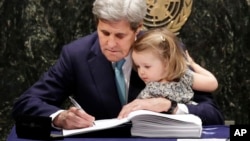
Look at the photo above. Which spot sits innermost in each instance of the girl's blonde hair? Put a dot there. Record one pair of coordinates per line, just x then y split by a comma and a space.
168, 47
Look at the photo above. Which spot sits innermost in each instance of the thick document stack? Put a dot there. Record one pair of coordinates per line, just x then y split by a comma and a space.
149, 124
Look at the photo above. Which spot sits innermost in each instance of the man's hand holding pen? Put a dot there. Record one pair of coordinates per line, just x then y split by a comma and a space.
77, 105
73, 118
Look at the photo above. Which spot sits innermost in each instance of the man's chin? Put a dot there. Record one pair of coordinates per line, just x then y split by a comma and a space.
113, 58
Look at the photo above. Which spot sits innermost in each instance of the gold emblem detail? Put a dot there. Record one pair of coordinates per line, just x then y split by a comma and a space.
171, 14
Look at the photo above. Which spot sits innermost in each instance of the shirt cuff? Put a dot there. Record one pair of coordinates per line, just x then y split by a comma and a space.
53, 117
182, 109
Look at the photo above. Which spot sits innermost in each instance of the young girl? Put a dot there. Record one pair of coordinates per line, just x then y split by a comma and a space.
167, 69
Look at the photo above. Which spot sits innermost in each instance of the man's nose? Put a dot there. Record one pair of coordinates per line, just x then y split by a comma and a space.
111, 41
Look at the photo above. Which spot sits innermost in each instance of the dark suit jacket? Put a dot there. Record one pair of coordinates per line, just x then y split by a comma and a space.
82, 70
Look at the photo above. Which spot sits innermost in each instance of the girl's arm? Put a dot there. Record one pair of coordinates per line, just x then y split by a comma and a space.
203, 80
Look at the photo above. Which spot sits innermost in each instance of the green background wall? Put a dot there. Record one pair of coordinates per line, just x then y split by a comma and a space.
32, 33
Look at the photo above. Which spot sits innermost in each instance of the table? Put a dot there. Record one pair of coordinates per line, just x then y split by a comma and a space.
209, 132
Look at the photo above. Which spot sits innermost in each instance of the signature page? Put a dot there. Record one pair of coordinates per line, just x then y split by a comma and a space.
99, 125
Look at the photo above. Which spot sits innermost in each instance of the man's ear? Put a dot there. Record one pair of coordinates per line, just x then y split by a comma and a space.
140, 26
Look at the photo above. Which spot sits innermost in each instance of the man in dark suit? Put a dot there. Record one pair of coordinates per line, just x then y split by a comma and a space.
85, 71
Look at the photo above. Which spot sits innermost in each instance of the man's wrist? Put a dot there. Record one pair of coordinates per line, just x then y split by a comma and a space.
53, 116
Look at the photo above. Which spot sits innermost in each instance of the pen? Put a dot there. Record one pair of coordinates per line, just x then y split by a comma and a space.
73, 101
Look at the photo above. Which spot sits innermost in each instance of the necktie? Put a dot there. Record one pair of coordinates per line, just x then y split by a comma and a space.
120, 82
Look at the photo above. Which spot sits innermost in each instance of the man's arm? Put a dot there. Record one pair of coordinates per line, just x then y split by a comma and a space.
207, 109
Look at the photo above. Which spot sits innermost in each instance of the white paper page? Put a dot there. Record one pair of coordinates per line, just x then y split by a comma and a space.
99, 125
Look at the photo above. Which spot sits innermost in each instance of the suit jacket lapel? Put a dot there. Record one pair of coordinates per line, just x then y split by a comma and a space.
104, 78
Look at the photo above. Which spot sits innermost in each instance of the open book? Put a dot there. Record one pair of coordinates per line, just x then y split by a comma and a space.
150, 124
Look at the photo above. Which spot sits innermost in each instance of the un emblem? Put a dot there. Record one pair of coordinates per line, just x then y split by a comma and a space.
171, 14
